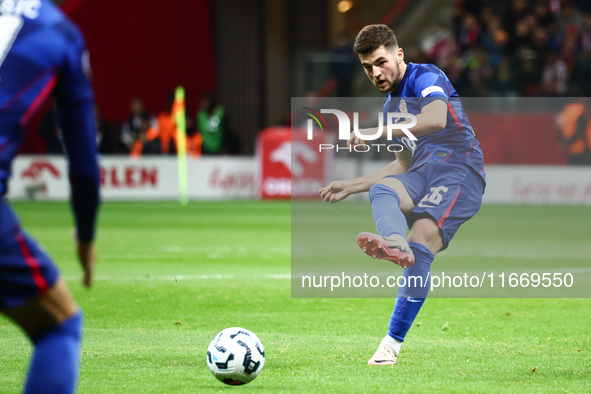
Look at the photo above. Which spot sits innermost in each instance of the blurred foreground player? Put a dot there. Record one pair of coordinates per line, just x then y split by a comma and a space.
434, 185
42, 52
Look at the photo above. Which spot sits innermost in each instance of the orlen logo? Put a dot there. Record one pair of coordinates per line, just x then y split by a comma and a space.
38, 168
128, 177
345, 129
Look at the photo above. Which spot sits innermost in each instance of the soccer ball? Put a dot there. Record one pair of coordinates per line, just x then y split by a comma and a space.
235, 356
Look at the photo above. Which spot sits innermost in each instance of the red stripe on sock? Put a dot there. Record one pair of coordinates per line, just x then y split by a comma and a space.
448, 210
32, 262
39, 100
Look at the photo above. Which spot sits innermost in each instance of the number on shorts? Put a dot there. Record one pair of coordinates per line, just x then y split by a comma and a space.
434, 197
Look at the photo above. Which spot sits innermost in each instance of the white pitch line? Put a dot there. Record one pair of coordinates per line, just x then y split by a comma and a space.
182, 277
572, 270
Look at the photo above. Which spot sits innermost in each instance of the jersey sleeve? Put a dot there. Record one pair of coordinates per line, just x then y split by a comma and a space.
430, 86
75, 100
74, 85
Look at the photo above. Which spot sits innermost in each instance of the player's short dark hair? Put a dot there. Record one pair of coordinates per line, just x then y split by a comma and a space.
371, 37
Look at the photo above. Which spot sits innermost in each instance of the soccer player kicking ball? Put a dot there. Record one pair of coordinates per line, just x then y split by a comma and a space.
42, 52
434, 185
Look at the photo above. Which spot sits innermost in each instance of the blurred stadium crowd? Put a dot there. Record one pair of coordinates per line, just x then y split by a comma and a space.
512, 48
501, 48
144, 133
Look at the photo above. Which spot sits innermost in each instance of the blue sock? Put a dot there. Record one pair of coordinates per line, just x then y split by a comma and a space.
385, 206
410, 298
56, 360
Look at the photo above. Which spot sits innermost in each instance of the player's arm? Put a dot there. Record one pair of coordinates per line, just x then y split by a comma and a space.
339, 190
433, 118
80, 142
75, 99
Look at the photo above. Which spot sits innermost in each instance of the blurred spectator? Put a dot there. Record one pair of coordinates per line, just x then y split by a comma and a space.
494, 39
479, 73
555, 76
512, 55
147, 142
415, 55
470, 31
194, 138
570, 17
213, 125
165, 127
513, 15
131, 127
542, 13
586, 34
439, 46
344, 67
505, 82
581, 75
574, 132
162, 138
106, 136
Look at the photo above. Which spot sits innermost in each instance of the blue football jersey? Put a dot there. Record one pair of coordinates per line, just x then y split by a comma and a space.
43, 53
456, 143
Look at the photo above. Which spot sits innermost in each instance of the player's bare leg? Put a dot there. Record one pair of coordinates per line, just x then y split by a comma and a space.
43, 313
54, 325
426, 232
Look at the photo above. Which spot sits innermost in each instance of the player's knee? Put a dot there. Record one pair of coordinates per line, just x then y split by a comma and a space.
73, 325
379, 189
426, 232
70, 328
42, 314
394, 185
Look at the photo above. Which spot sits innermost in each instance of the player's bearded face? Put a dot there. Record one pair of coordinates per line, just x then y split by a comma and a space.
382, 68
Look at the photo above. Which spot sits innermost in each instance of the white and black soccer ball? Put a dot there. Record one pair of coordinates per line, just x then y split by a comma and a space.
235, 356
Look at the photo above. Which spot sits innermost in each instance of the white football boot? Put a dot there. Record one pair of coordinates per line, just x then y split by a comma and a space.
385, 355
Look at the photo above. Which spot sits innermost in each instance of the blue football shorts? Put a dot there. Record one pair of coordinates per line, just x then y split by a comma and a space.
448, 193
26, 271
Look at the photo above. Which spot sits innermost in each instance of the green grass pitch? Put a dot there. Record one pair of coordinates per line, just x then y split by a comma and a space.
170, 277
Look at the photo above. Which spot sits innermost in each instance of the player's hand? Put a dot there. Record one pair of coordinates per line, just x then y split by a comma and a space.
334, 192
87, 257
354, 140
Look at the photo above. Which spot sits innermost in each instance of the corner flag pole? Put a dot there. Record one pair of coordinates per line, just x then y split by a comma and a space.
178, 114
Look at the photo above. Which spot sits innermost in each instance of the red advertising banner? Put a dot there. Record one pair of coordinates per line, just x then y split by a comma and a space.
290, 165
518, 138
